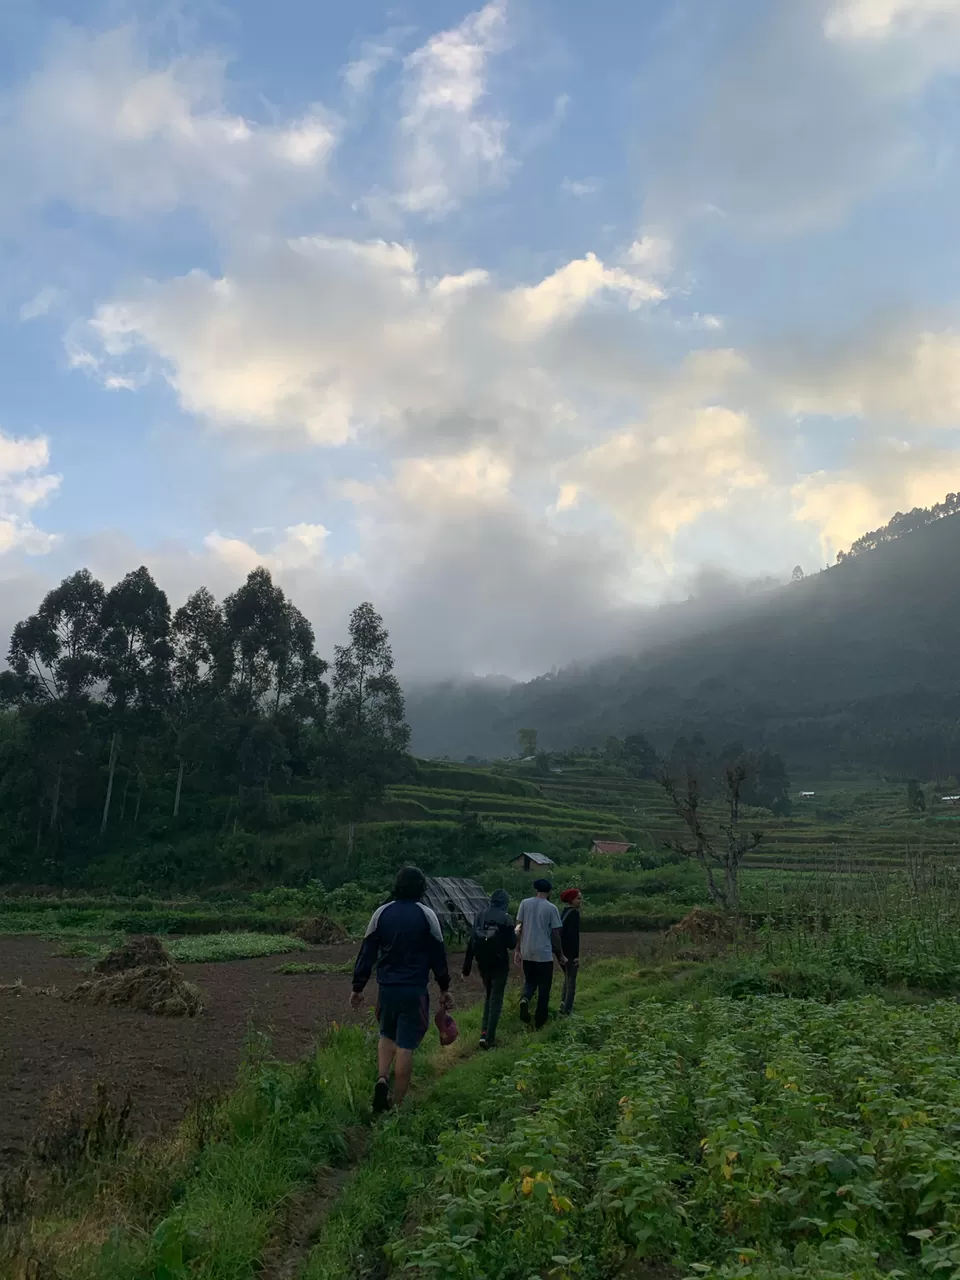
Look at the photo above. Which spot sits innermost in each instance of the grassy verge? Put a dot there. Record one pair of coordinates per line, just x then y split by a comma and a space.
292, 967
204, 948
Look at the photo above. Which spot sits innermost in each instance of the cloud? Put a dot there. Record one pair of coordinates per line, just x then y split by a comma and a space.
40, 304
448, 147
107, 130
360, 74
660, 475
24, 484
581, 188
888, 19
329, 337
301, 547
817, 107
891, 376
885, 477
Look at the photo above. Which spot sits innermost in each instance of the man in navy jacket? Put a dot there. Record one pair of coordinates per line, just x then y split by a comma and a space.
405, 942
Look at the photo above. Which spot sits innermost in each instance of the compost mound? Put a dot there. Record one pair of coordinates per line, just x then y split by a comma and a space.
703, 926
136, 953
322, 931
160, 989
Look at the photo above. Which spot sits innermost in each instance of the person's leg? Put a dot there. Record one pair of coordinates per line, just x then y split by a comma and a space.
543, 992
386, 1052
402, 1070
412, 1026
530, 979
485, 1019
569, 986
498, 986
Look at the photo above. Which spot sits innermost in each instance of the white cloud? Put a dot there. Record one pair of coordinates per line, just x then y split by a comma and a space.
360, 74
903, 378
41, 304
884, 19
581, 188
449, 147
24, 484
107, 130
661, 475
885, 477
326, 337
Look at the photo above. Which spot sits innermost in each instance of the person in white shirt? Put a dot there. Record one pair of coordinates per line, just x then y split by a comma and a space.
538, 942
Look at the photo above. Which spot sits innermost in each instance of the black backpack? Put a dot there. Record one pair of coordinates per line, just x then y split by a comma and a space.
487, 942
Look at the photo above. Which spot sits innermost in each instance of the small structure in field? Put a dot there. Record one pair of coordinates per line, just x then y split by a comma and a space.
531, 861
807, 795
455, 901
950, 799
610, 847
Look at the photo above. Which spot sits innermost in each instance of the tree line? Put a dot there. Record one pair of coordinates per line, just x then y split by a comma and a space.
110, 694
903, 522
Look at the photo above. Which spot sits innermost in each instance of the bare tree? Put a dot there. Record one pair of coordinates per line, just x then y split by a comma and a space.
719, 853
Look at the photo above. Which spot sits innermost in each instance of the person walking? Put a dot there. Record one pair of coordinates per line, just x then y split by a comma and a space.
538, 934
570, 942
491, 941
405, 942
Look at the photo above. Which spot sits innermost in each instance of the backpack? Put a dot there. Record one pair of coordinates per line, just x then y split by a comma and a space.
487, 943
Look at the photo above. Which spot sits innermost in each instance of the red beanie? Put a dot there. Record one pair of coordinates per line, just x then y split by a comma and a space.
570, 895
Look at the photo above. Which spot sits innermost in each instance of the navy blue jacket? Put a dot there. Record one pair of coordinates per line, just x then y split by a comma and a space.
404, 940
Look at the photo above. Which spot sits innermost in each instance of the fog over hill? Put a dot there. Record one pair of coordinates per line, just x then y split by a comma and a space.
858, 663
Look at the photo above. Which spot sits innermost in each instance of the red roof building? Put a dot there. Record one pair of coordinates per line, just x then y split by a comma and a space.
610, 846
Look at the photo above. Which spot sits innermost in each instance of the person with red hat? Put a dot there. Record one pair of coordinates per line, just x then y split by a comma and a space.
570, 942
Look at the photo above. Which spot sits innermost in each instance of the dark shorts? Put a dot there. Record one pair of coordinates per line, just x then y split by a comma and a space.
404, 1015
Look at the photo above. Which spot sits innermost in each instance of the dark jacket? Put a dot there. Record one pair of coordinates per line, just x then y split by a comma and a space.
497, 958
404, 940
570, 932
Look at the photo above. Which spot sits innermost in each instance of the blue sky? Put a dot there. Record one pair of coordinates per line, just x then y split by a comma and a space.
514, 318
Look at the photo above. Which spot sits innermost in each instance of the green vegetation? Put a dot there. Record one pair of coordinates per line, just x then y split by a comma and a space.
292, 967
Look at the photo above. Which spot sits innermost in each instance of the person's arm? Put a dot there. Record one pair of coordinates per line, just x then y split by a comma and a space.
366, 958
438, 958
516, 933
468, 958
571, 936
555, 938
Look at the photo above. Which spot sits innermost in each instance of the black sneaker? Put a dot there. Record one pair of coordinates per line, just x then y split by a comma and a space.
483, 1042
524, 1009
381, 1098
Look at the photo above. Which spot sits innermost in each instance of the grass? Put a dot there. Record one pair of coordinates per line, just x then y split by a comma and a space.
298, 967
201, 949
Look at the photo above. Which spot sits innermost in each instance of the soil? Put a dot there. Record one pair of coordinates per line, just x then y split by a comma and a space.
47, 1043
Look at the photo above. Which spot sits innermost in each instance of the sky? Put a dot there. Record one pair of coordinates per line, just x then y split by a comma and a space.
512, 319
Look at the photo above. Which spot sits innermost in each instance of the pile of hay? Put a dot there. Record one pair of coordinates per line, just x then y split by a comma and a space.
141, 975
135, 953
322, 931
699, 925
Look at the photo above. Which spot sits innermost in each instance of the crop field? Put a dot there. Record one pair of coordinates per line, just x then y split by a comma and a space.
761, 1137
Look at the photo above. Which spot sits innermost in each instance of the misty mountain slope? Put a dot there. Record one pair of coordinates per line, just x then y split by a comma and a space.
858, 663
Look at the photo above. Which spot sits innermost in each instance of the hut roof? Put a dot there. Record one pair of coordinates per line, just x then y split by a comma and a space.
456, 901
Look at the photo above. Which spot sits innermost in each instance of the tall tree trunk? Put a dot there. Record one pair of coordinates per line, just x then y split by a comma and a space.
351, 827
55, 806
123, 798
176, 798
136, 812
111, 772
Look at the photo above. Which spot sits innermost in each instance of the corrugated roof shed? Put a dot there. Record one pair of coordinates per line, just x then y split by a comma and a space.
456, 901
610, 846
538, 859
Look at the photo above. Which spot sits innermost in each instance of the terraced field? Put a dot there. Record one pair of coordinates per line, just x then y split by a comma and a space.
864, 821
